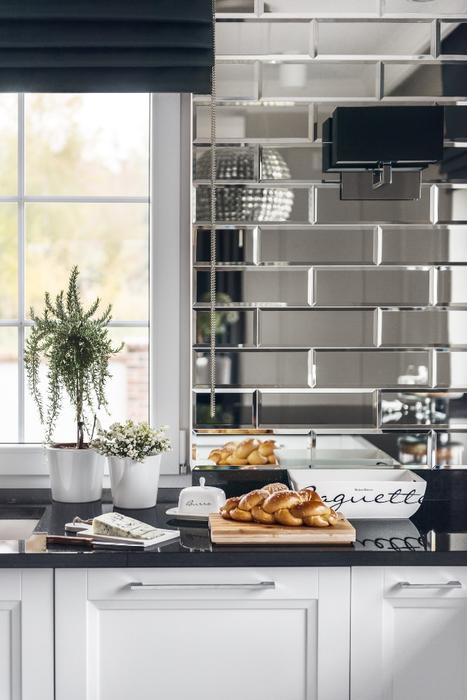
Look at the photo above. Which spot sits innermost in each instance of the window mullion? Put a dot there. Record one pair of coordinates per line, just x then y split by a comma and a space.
21, 266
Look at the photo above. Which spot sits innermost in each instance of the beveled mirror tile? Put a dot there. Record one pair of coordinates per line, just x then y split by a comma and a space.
233, 244
453, 167
319, 80
325, 7
233, 410
368, 369
291, 163
452, 204
451, 450
362, 449
424, 245
254, 204
406, 448
371, 287
423, 408
432, 80
452, 286
455, 119
317, 328
424, 328
374, 38
330, 209
259, 38
316, 245
451, 369
232, 327
254, 122
250, 368
435, 8
318, 409
264, 286
232, 163
236, 80
231, 6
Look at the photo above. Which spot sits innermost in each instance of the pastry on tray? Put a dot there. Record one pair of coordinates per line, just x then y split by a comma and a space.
276, 505
249, 452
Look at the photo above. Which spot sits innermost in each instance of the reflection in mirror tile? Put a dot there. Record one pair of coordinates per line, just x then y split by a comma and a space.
232, 410
434, 80
330, 209
262, 122
317, 328
406, 449
254, 369
291, 163
316, 245
367, 369
232, 327
259, 38
265, 286
366, 286
233, 244
253, 203
353, 450
318, 409
452, 203
374, 38
424, 408
451, 369
436, 8
452, 286
236, 80
316, 7
232, 163
323, 80
422, 328
229, 6
424, 244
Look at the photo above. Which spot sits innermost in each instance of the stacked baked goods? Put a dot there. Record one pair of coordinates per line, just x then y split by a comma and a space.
276, 505
250, 452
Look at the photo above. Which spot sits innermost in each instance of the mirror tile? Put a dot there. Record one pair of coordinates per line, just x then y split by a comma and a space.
316, 245
302, 164
424, 245
317, 328
251, 368
435, 8
237, 81
424, 328
368, 369
232, 163
265, 286
233, 327
451, 369
318, 409
316, 7
233, 245
319, 80
426, 80
452, 286
452, 204
362, 450
341, 38
424, 408
330, 209
260, 122
233, 410
235, 6
371, 287
260, 38
254, 204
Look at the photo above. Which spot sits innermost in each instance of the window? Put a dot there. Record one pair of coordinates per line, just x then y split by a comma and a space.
74, 189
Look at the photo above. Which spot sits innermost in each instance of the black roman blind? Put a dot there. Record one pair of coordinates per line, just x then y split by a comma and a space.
106, 45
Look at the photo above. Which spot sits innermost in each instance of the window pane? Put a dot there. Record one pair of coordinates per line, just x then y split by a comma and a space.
109, 243
9, 384
9, 149
8, 261
87, 144
127, 389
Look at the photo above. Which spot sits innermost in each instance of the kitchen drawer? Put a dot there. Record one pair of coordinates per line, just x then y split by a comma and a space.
202, 583
424, 581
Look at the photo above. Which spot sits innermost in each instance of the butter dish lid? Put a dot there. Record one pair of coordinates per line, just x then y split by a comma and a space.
200, 499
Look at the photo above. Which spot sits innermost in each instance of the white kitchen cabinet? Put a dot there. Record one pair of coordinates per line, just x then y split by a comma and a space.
409, 633
202, 634
26, 634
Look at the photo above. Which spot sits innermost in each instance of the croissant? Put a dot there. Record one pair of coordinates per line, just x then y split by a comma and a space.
276, 505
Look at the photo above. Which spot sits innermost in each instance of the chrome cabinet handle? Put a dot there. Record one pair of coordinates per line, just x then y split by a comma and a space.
261, 586
426, 586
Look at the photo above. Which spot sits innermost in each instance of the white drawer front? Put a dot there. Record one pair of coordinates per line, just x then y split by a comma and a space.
423, 581
211, 584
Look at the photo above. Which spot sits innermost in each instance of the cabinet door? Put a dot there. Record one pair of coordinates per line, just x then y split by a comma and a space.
409, 633
26, 634
173, 634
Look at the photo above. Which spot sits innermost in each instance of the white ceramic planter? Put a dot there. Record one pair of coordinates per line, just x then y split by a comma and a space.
134, 484
75, 475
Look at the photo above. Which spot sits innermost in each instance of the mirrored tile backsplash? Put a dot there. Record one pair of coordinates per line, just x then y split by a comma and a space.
335, 315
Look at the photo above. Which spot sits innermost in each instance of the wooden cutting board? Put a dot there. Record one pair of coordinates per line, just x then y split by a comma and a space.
231, 532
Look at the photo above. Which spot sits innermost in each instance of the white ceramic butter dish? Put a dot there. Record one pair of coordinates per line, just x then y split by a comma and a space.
198, 502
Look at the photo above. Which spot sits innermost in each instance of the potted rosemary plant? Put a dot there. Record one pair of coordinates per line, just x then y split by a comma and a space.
74, 344
133, 452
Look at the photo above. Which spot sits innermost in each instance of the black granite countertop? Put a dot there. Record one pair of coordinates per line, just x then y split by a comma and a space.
436, 535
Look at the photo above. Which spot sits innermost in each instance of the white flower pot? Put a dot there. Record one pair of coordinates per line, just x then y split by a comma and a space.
75, 475
134, 484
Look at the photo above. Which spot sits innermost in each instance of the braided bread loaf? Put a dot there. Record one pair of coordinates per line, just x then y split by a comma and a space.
276, 505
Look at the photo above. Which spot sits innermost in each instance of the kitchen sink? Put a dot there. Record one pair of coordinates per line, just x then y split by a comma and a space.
18, 522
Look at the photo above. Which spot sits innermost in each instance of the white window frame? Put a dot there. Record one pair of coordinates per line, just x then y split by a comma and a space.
24, 464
